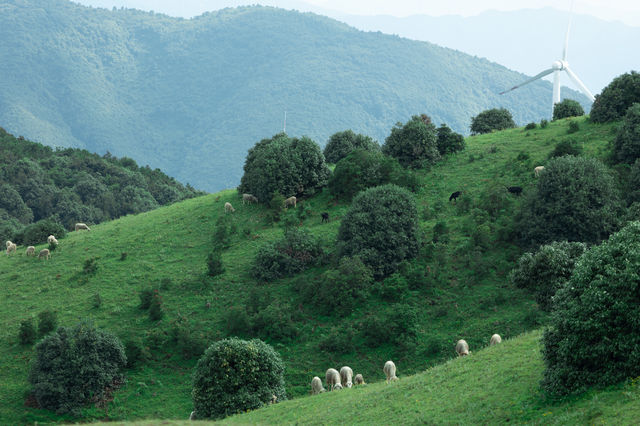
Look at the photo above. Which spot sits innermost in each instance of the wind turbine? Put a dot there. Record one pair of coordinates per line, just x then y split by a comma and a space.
556, 67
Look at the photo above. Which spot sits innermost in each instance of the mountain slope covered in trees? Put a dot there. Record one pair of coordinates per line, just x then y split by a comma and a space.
191, 96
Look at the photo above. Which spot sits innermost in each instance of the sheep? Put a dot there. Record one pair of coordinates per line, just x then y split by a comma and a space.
495, 339
346, 377
228, 208
291, 201
390, 371
316, 386
332, 377
359, 380
192, 416
82, 226
31, 251
249, 198
538, 170
517, 190
462, 348
52, 240
11, 247
455, 196
325, 217
273, 400
44, 253
9, 243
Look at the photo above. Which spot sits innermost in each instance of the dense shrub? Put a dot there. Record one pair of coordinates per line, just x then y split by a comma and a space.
490, 120
146, 295
274, 322
413, 144
546, 270
156, 311
397, 324
567, 108
27, 332
342, 143
449, 141
186, 341
544, 123
47, 322
566, 147
632, 192
214, 263
74, 366
289, 166
339, 341
90, 266
225, 228
12, 203
494, 200
616, 98
381, 227
135, 352
236, 375
593, 338
575, 199
626, 146
573, 127
530, 126
37, 233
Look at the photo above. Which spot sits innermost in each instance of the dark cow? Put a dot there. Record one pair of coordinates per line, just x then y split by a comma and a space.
517, 190
325, 217
455, 196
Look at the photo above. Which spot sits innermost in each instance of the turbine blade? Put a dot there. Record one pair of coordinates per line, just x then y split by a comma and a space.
556, 90
534, 78
579, 83
565, 51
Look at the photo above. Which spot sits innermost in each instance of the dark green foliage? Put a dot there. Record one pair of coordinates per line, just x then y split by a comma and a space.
342, 143
123, 256
544, 123
494, 199
27, 332
90, 266
274, 322
96, 300
37, 233
295, 252
12, 203
339, 341
237, 321
546, 270
276, 204
573, 127
449, 141
615, 99
440, 232
146, 296
74, 366
289, 166
135, 352
566, 147
9, 226
626, 146
413, 144
186, 340
381, 227
396, 324
530, 126
394, 288
567, 108
575, 199
156, 310
236, 375
214, 263
492, 119
47, 322
633, 185
224, 230
593, 338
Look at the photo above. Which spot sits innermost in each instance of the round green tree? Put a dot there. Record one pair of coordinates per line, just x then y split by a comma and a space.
593, 337
75, 365
567, 108
626, 146
575, 199
360, 170
381, 227
449, 141
342, 143
413, 144
616, 98
492, 119
236, 375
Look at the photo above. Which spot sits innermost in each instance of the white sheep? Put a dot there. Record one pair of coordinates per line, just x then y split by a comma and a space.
346, 377
82, 226
52, 240
291, 201
249, 198
31, 251
390, 371
538, 170
495, 339
332, 377
44, 253
228, 208
9, 243
462, 347
11, 247
359, 380
316, 386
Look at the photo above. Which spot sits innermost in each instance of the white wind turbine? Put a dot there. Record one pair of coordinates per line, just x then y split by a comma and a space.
556, 67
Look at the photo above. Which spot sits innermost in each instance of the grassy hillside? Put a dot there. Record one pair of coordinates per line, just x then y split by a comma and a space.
467, 294
191, 96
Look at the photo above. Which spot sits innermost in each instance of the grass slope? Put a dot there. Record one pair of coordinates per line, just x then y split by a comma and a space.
469, 295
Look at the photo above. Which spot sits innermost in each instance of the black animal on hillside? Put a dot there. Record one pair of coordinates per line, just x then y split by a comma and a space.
517, 190
455, 196
325, 217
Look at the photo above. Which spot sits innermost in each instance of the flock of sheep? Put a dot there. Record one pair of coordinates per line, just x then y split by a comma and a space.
44, 253
249, 198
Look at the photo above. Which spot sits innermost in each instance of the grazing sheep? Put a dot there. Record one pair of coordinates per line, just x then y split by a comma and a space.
538, 170
192, 416
52, 240
31, 251
316, 386
228, 208
495, 339
82, 226
359, 380
11, 247
346, 376
517, 190
325, 217
462, 348
455, 196
274, 399
249, 198
9, 243
44, 253
332, 377
390, 371
291, 201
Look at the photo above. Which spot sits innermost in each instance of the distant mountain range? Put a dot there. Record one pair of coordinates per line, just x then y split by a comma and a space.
191, 96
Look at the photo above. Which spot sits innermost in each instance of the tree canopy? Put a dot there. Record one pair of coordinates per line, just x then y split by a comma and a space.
567, 108
492, 119
342, 143
616, 98
413, 144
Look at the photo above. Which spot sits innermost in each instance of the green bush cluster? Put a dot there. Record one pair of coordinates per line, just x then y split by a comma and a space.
615, 99
567, 108
449, 141
414, 144
341, 144
214, 263
492, 119
626, 145
566, 147
27, 333
37, 233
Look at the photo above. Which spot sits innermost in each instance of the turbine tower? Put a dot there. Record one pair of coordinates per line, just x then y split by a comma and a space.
556, 67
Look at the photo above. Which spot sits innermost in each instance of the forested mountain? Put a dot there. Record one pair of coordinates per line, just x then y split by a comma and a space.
191, 96
72, 185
